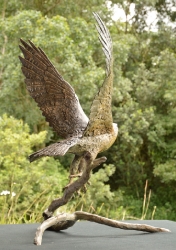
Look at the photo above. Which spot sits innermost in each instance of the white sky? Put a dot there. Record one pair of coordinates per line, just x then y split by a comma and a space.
119, 14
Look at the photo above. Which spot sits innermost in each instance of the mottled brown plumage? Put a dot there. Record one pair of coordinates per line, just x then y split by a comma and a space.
60, 105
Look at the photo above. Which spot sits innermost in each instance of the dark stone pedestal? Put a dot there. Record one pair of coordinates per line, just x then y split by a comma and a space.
89, 235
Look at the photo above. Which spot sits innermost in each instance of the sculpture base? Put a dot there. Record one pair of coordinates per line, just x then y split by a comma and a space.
89, 235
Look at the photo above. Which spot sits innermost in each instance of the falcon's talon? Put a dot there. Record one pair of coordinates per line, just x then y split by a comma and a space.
75, 175
84, 189
66, 186
71, 177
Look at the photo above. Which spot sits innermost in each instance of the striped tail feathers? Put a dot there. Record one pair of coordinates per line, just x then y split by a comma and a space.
55, 149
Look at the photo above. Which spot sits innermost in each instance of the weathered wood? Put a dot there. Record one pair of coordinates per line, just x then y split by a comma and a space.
65, 220
87, 166
62, 221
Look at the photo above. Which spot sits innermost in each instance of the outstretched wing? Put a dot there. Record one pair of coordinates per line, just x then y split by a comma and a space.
55, 97
100, 119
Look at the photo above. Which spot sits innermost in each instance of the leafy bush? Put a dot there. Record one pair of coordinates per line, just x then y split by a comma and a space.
25, 189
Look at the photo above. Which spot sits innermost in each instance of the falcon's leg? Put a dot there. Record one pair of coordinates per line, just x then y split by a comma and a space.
74, 168
77, 168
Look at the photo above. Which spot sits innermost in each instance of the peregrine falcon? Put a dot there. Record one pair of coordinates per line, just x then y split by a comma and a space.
60, 105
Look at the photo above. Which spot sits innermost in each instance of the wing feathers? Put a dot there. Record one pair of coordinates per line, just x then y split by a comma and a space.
55, 97
105, 39
100, 114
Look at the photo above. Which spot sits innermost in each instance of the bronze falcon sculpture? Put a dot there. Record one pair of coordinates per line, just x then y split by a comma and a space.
60, 105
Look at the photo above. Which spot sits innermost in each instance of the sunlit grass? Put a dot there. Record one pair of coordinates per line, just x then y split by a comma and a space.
33, 213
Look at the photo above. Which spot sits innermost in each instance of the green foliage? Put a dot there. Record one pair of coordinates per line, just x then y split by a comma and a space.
166, 171
69, 9
25, 188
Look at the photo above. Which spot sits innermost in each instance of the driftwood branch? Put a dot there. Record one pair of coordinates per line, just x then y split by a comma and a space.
87, 166
64, 221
